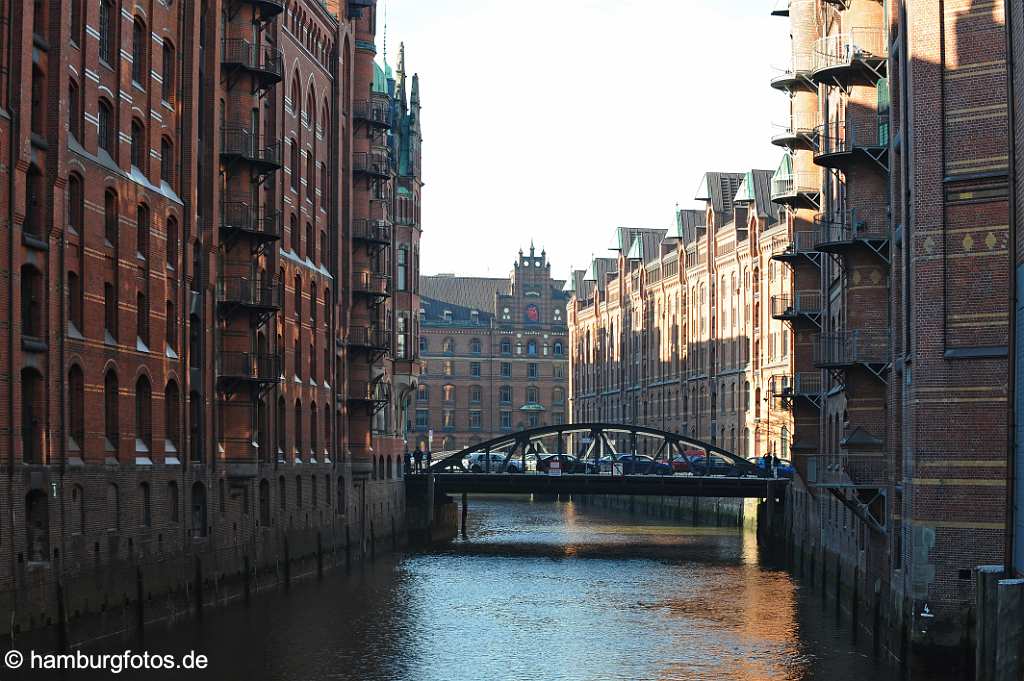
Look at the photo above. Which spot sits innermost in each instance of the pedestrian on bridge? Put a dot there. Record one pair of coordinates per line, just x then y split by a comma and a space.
428, 459
418, 458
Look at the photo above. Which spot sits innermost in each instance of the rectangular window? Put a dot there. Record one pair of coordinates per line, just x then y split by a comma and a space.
531, 370
506, 369
422, 419
534, 420
403, 258
474, 368
559, 371
448, 419
506, 420
558, 418
475, 420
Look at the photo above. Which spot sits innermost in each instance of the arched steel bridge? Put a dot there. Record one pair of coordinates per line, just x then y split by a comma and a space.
676, 464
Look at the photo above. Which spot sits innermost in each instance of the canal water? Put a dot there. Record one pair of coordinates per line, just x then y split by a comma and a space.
538, 590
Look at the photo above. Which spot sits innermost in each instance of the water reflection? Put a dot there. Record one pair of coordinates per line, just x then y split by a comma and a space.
539, 590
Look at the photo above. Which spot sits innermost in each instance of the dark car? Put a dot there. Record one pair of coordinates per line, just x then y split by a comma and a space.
641, 464
720, 465
567, 463
783, 469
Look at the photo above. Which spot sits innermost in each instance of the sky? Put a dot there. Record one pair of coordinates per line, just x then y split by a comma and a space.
557, 121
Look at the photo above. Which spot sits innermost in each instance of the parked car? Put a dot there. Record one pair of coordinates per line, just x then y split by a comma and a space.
567, 463
784, 468
637, 464
477, 463
683, 463
719, 465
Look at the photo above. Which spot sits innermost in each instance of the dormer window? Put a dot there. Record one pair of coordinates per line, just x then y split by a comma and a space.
448, 316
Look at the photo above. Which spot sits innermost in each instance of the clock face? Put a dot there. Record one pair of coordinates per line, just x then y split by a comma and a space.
532, 313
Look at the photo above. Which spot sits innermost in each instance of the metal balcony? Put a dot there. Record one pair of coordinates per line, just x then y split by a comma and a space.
372, 231
805, 385
802, 307
375, 394
797, 77
376, 111
377, 286
842, 143
801, 246
237, 370
266, 9
241, 218
372, 163
249, 293
369, 337
798, 189
264, 64
800, 132
847, 349
840, 233
858, 57
857, 480
240, 145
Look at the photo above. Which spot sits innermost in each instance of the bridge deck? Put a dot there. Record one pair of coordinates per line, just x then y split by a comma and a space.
655, 485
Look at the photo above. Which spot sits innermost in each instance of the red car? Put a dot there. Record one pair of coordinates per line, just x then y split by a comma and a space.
683, 463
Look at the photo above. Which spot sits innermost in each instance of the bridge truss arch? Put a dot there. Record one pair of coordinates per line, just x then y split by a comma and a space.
590, 442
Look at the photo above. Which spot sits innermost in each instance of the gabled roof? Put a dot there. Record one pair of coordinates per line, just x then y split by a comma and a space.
719, 188
756, 188
575, 281
646, 244
688, 220
599, 268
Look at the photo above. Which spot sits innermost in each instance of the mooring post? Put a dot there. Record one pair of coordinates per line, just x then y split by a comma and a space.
1010, 632
987, 579
465, 511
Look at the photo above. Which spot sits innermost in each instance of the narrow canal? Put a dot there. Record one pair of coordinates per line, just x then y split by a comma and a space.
539, 590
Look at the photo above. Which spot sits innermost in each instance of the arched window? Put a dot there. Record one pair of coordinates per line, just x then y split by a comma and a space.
76, 22
31, 302
35, 194
167, 161
143, 415
74, 110
37, 526
76, 409
531, 347
140, 53
293, 163
38, 112
559, 348
298, 427
139, 147
324, 193
314, 430
296, 101
310, 176
76, 203
32, 412
172, 417
108, 22
111, 417
105, 117
168, 74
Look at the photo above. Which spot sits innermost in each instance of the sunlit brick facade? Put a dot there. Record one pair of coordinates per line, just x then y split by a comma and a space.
896, 185
186, 228
675, 331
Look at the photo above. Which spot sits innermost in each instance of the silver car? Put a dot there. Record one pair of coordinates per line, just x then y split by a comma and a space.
477, 463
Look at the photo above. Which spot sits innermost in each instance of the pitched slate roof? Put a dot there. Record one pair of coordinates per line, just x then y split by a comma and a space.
599, 268
688, 221
756, 189
470, 292
719, 188
646, 244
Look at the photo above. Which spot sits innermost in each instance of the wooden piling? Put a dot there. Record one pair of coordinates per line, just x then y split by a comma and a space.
987, 578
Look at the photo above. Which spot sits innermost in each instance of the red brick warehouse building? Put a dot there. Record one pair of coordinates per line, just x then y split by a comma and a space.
203, 207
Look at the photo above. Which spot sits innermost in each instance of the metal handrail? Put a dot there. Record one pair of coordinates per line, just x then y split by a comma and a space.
244, 291
372, 162
241, 215
239, 141
791, 184
249, 365
846, 226
857, 44
254, 57
842, 136
369, 337
371, 282
839, 348
375, 110
802, 302
371, 230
